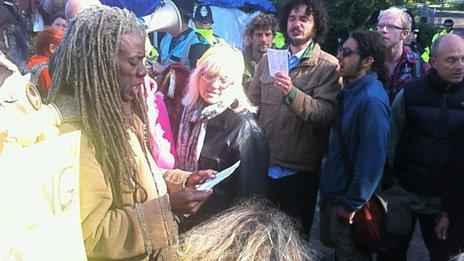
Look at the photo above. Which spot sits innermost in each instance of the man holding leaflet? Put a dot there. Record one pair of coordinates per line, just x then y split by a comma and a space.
296, 109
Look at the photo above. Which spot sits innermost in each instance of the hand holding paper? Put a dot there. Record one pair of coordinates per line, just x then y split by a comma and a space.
198, 177
219, 177
278, 61
283, 82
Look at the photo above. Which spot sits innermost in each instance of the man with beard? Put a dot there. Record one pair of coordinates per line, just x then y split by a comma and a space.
427, 119
358, 146
403, 64
260, 32
296, 109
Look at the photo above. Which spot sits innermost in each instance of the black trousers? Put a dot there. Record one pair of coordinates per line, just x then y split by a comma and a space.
438, 249
296, 195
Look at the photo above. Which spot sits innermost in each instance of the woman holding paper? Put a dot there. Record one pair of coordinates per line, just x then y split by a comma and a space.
217, 129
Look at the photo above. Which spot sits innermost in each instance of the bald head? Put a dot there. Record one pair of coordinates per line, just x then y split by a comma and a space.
442, 41
447, 57
74, 7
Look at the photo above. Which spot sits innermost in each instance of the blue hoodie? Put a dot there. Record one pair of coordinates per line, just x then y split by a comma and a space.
364, 127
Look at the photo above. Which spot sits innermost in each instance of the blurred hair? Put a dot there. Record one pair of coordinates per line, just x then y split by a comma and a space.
251, 230
370, 44
406, 20
314, 8
49, 35
261, 22
7, 16
226, 61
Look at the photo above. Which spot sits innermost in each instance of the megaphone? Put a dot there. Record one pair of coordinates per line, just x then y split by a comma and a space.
166, 18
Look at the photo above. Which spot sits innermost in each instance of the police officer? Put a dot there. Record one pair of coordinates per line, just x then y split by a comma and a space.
203, 19
186, 47
447, 29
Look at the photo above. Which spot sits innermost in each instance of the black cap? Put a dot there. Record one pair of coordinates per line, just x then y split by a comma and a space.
448, 23
185, 6
203, 14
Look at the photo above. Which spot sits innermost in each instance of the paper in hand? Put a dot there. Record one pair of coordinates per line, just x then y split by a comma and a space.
219, 177
278, 61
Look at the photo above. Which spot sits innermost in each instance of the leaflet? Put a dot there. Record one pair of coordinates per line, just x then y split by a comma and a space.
278, 61
219, 177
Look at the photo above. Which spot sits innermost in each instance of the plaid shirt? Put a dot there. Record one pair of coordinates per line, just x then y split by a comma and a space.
404, 73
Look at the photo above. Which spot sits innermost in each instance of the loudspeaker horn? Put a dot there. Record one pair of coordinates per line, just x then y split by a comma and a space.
166, 18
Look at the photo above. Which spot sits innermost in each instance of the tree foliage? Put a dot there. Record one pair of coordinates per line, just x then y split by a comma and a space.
346, 15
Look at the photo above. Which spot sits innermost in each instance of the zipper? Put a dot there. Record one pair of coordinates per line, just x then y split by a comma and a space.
442, 123
443, 110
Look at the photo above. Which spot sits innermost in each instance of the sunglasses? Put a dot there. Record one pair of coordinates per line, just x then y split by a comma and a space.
345, 52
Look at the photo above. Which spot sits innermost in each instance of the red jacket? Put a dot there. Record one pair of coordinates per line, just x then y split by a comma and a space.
40, 77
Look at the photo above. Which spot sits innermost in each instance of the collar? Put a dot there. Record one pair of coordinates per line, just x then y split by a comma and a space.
355, 87
248, 53
408, 55
440, 84
182, 35
298, 54
221, 120
305, 53
310, 55
67, 108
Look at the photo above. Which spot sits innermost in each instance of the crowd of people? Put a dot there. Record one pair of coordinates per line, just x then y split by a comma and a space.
343, 128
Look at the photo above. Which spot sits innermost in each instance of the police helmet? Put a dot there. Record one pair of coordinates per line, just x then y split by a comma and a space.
203, 14
448, 23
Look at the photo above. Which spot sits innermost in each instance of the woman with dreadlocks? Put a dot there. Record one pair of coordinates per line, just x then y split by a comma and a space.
128, 205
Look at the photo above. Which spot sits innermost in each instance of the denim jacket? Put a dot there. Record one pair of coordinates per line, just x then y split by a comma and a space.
363, 126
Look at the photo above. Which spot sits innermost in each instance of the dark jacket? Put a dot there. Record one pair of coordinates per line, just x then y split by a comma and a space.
231, 137
453, 200
363, 126
434, 121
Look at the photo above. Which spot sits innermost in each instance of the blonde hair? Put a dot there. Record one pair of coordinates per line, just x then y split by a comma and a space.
251, 230
226, 61
406, 20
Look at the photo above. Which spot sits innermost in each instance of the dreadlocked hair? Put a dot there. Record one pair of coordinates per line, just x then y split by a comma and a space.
87, 69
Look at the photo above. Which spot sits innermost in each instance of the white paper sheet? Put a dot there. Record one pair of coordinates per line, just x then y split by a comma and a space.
278, 61
219, 177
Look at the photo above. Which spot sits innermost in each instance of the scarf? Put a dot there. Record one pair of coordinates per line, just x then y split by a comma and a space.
192, 131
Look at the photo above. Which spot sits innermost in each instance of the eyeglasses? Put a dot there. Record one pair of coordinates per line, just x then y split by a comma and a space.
345, 52
389, 26
224, 82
